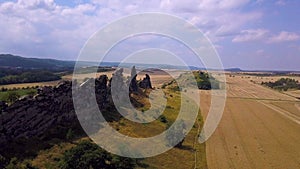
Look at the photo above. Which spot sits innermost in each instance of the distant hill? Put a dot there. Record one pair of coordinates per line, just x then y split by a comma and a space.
12, 61
234, 70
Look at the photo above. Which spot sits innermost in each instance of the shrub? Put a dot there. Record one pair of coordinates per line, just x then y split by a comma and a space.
3, 161
12, 96
87, 155
283, 84
70, 134
163, 119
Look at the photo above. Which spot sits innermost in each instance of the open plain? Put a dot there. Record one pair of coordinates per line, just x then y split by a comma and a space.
259, 128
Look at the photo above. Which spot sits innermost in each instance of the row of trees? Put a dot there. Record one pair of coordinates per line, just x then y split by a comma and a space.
29, 77
4, 89
11, 96
206, 82
283, 84
13, 163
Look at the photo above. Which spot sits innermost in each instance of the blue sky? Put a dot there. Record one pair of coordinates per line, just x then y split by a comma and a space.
250, 34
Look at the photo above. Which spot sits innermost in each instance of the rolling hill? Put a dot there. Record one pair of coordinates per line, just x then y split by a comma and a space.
12, 61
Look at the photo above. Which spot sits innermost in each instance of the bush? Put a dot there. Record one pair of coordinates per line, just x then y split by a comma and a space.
283, 84
163, 119
12, 96
29, 76
70, 134
87, 155
206, 82
3, 161
15, 164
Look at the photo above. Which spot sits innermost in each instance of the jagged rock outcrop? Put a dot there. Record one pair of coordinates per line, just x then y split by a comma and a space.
53, 106
133, 86
3, 106
146, 83
31, 117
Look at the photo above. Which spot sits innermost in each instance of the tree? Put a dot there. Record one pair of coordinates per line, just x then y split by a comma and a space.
87, 155
12, 96
3, 161
122, 162
31, 92
70, 134
13, 164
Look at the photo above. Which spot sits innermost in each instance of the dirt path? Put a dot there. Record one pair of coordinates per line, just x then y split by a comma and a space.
254, 133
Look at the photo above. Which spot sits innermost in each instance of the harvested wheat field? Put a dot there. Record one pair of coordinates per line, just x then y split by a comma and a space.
259, 128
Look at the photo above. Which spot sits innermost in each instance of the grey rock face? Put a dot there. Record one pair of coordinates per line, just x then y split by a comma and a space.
53, 106
3, 106
146, 82
133, 86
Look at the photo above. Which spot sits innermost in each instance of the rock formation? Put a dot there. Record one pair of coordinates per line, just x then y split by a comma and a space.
3, 106
31, 117
146, 83
133, 86
53, 106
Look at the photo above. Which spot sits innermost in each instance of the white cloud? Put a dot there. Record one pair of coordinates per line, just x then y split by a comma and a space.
217, 18
229, 4
284, 37
46, 28
35, 4
264, 35
280, 2
260, 52
251, 35
259, 2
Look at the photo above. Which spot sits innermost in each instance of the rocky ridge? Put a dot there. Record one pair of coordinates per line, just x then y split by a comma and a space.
31, 117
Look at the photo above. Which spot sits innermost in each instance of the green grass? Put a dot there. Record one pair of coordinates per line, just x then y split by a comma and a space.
184, 157
176, 157
20, 92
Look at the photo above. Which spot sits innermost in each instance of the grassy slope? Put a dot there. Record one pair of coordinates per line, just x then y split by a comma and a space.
174, 158
36, 63
20, 92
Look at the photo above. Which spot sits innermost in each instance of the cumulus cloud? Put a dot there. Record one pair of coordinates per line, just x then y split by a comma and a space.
251, 35
260, 52
284, 37
45, 28
265, 35
280, 2
216, 18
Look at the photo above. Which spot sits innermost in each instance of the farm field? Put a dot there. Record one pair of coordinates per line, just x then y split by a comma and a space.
259, 128
260, 79
159, 78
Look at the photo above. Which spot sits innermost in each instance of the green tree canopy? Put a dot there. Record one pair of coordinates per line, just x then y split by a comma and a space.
87, 155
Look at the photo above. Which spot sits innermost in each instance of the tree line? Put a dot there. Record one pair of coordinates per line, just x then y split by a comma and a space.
28, 77
283, 84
